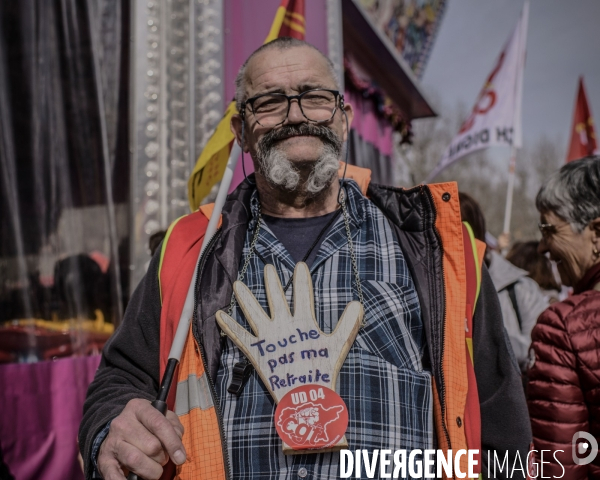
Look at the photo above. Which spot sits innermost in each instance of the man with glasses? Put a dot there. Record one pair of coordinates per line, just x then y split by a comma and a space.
400, 253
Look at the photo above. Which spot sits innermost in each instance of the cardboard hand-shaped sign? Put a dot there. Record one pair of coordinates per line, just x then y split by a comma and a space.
289, 351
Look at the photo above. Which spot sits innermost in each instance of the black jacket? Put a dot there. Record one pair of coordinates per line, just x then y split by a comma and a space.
130, 361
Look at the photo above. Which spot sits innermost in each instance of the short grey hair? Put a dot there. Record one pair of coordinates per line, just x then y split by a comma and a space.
281, 43
573, 193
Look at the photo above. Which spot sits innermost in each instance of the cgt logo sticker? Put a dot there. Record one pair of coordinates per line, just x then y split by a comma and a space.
589, 445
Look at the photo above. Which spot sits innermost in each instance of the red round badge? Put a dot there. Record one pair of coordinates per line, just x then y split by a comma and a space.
310, 417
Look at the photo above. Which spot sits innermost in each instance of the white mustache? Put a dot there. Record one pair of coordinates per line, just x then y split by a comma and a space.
282, 173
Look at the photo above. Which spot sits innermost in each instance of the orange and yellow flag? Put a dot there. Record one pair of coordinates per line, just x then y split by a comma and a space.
289, 21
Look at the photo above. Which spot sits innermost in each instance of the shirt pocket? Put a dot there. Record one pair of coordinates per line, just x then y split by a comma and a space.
388, 407
393, 328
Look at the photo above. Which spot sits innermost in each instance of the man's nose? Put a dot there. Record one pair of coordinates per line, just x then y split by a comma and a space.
295, 115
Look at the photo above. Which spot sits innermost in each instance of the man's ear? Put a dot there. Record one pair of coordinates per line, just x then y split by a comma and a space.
236, 129
350, 115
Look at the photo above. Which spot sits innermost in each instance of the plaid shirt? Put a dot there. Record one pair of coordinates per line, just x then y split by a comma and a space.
382, 381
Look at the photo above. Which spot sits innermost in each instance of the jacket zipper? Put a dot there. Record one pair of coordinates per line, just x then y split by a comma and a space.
196, 334
443, 392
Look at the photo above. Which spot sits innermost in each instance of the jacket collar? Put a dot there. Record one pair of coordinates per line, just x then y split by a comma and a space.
589, 280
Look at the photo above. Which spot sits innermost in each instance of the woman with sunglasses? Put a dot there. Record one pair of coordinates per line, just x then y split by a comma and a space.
564, 379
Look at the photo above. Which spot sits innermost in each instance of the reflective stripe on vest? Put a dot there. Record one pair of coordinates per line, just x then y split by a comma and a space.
193, 392
202, 438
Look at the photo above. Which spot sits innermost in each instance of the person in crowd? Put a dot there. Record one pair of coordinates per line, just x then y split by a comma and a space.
521, 299
405, 378
526, 256
564, 379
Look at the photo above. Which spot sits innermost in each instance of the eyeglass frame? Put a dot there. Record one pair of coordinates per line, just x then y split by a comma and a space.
339, 97
546, 229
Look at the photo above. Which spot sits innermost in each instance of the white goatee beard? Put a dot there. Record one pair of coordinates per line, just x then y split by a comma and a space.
280, 172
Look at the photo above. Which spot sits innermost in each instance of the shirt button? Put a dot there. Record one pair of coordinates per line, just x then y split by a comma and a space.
459, 422
302, 472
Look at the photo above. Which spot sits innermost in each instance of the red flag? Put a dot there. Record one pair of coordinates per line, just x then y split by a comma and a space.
294, 23
583, 136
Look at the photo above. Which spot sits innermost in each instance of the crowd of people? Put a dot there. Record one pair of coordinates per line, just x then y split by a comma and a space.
530, 372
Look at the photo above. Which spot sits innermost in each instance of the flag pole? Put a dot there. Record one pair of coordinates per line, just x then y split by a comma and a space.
510, 190
211, 229
188, 307
516, 136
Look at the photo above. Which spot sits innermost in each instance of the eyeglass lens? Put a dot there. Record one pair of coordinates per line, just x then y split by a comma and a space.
546, 229
272, 109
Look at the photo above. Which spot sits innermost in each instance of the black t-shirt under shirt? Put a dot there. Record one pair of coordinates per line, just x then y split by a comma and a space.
298, 234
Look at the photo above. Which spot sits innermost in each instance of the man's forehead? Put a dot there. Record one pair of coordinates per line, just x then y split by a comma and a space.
287, 68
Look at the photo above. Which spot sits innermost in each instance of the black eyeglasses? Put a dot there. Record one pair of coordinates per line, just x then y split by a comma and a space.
272, 109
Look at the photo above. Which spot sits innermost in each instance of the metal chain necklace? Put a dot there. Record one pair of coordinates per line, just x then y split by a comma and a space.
252, 248
351, 248
242, 273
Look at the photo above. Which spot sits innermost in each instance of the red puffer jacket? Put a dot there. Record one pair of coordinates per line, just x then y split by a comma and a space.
564, 381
